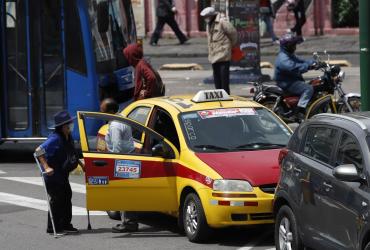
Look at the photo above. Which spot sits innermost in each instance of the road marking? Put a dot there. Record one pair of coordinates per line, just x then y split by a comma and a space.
77, 188
38, 204
255, 242
2, 172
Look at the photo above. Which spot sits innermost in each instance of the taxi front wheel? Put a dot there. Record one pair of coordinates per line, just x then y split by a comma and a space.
194, 219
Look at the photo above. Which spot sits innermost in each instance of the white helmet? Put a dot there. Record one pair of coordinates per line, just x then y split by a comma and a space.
209, 11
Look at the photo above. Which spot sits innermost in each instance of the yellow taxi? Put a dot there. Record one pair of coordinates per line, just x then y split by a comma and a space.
210, 159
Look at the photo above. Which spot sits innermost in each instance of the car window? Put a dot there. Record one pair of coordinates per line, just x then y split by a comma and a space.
139, 114
349, 151
115, 136
319, 143
233, 129
164, 125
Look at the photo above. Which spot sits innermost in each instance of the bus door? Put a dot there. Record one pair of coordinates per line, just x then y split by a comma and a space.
32, 67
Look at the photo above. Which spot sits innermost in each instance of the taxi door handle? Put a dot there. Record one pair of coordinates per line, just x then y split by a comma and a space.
100, 163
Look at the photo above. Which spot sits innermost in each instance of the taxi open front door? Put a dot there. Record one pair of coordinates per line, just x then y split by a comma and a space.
140, 178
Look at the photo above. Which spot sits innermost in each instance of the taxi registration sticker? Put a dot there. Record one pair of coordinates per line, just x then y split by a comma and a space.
127, 169
205, 114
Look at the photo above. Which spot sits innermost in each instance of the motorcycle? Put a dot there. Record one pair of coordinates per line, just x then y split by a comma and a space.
328, 96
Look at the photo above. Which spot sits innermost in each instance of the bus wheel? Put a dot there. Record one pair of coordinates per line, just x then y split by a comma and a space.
195, 223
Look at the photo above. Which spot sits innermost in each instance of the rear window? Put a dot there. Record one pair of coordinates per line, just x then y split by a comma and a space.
233, 129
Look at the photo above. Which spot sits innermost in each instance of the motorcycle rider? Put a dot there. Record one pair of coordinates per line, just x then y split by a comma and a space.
288, 73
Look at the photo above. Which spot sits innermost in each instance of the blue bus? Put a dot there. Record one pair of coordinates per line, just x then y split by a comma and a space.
59, 54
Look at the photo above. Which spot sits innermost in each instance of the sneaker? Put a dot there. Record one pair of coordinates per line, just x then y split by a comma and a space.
129, 226
70, 229
153, 44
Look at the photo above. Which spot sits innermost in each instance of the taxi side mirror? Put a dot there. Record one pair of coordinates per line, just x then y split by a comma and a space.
159, 150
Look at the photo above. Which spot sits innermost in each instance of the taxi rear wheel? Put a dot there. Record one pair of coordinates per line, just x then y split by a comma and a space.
195, 223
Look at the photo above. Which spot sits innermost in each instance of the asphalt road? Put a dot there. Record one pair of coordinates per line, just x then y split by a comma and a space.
23, 217
23, 207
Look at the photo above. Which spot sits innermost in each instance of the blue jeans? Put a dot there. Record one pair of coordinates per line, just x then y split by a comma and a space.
267, 19
302, 89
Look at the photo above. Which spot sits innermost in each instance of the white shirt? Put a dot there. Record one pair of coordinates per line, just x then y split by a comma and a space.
119, 138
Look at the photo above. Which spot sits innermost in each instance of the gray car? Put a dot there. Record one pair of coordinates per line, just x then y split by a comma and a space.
323, 197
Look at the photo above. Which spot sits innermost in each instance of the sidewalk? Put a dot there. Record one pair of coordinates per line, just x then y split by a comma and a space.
197, 47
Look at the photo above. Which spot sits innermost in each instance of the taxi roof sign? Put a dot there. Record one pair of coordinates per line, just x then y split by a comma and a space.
211, 96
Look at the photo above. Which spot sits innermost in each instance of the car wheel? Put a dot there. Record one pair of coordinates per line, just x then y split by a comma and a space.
114, 215
286, 230
367, 247
195, 223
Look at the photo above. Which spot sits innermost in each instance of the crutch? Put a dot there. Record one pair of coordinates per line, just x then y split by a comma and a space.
41, 169
88, 212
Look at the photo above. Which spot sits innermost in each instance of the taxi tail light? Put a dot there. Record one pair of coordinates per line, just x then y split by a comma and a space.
283, 153
252, 91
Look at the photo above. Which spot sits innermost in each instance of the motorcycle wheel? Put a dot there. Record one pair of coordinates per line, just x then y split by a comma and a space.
269, 103
354, 102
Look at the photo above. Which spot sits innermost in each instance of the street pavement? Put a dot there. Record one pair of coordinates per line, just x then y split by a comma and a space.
23, 207
23, 217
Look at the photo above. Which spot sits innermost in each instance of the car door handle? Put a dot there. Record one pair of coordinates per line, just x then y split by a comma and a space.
327, 186
99, 163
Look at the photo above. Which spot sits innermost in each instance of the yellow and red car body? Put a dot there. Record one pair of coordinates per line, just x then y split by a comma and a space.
164, 183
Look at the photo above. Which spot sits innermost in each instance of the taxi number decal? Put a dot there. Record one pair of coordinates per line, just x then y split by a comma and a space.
190, 131
127, 169
98, 180
205, 114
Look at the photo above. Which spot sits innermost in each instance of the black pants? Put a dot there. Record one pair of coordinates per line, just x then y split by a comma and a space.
221, 75
300, 18
61, 205
170, 20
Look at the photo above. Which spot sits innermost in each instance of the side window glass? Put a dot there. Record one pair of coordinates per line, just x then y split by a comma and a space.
349, 152
140, 115
164, 125
115, 136
320, 143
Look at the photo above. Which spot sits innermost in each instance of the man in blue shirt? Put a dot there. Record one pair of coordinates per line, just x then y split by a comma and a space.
288, 72
58, 157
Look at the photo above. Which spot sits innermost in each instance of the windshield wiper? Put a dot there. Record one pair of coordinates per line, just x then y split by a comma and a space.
214, 147
259, 145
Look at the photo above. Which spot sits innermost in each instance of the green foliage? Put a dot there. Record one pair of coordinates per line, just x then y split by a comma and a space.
345, 13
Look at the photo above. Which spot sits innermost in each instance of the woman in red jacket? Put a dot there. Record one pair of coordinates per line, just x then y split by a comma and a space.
145, 78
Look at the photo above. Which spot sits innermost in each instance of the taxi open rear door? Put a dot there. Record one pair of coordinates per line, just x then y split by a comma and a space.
143, 179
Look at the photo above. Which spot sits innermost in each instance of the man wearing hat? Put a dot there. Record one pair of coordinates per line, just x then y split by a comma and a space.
222, 36
58, 157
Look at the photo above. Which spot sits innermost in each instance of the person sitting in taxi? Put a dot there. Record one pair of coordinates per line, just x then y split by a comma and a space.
119, 140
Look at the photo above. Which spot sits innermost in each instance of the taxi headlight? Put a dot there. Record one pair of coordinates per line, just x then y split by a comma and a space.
232, 186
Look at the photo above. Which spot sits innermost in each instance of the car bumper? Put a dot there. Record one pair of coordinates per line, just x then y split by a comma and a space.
224, 209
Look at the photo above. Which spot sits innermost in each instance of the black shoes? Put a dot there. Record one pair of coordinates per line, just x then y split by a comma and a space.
70, 230
153, 44
184, 41
58, 231
129, 226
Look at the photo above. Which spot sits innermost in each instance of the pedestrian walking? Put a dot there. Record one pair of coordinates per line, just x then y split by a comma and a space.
166, 12
59, 157
297, 6
145, 77
222, 36
268, 16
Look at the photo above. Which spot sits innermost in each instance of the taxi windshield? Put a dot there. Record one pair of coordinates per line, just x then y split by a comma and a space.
112, 27
233, 129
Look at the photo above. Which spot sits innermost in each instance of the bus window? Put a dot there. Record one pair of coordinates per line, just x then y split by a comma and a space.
75, 54
17, 91
112, 27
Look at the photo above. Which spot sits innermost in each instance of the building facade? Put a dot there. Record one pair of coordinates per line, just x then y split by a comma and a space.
318, 12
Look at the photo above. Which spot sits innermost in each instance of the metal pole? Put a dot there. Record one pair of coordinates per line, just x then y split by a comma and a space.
364, 54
